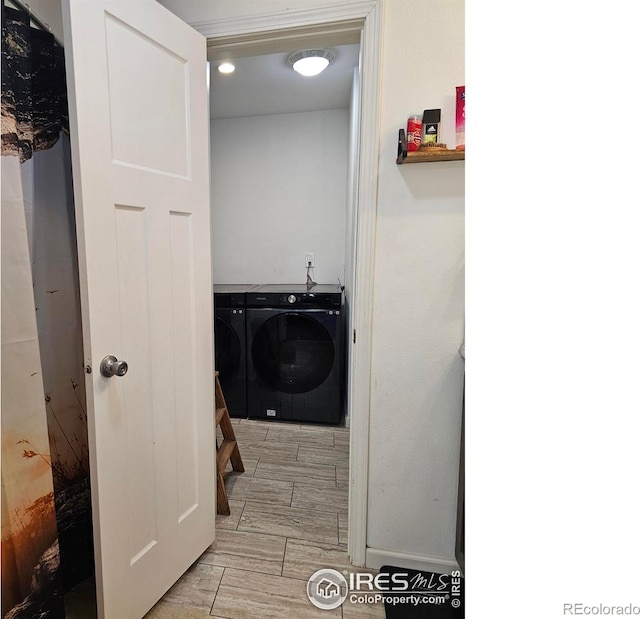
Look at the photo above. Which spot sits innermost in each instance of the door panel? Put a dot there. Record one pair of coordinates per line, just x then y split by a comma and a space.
139, 120
184, 336
134, 90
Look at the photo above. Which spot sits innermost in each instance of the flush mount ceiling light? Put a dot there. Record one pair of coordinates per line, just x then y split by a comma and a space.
226, 67
310, 62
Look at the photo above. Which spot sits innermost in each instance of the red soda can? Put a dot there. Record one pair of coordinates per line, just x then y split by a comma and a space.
414, 132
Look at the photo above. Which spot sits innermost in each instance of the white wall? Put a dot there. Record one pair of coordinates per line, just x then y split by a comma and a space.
278, 191
419, 293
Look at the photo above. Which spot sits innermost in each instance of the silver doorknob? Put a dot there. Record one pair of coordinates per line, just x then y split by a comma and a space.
110, 366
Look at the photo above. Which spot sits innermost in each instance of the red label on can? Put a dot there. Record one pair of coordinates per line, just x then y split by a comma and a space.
414, 132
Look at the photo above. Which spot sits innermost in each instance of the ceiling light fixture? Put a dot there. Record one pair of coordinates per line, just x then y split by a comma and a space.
226, 67
309, 62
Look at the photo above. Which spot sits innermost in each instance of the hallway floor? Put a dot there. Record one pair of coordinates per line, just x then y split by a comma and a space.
288, 519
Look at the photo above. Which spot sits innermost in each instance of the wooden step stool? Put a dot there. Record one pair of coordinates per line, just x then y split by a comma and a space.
227, 450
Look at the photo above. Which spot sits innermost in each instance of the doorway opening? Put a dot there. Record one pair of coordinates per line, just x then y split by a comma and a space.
334, 26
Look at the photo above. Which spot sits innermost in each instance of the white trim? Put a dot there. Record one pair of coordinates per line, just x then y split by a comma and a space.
376, 558
368, 13
280, 20
362, 302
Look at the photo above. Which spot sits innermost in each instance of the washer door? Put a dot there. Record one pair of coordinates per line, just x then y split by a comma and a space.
228, 350
293, 353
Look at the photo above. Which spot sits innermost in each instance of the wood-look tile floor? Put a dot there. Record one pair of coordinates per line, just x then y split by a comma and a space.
288, 519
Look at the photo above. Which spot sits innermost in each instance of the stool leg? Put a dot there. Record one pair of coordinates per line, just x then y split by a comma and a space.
226, 451
222, 503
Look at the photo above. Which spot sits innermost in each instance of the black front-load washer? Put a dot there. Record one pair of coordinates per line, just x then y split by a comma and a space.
229, 301
295, 353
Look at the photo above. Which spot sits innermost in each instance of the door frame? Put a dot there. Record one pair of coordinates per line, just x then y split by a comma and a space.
366, 17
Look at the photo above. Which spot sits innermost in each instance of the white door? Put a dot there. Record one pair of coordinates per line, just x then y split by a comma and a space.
139, 128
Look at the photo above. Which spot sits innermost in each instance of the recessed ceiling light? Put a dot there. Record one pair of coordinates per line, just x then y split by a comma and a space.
226, 67
311, 62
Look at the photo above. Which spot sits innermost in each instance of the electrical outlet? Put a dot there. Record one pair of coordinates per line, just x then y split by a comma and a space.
309, 260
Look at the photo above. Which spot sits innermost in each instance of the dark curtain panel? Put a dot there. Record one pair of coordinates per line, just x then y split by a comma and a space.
34, 100
47, 545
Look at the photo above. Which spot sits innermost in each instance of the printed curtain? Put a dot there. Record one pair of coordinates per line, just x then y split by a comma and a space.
46, 511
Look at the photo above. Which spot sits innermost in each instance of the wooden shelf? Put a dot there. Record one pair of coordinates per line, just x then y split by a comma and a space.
425, 156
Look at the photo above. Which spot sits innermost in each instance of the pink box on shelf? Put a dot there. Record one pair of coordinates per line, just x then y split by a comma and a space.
460, 117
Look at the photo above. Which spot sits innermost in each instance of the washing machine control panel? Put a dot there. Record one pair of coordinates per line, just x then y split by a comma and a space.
306, 301
296, 297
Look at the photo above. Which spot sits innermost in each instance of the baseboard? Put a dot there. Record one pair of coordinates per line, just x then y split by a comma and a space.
376, 558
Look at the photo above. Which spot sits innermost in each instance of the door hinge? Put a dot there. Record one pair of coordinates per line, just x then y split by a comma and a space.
354, 336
